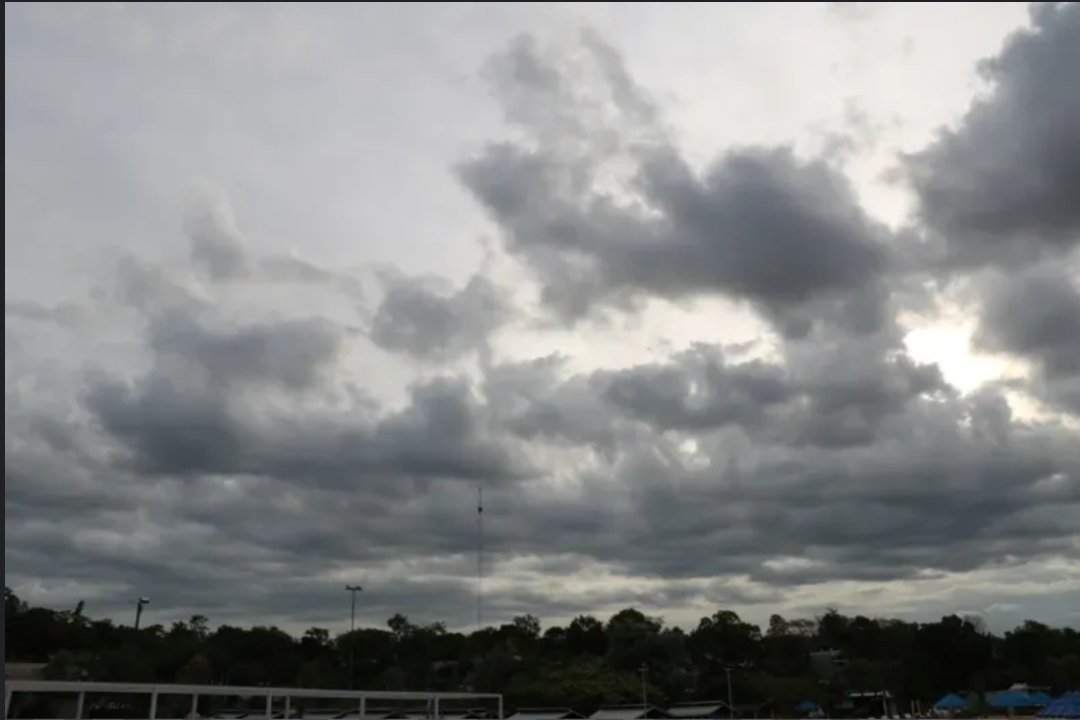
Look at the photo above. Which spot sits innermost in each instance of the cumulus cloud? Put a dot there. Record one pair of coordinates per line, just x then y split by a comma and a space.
233, 448
423, 318
1036, 315
761, 225
999, 200
1003, 186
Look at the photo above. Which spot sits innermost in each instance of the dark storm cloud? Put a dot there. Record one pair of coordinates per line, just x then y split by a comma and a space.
424, 318
999, 196
1003, 187
1036, 315
761, 224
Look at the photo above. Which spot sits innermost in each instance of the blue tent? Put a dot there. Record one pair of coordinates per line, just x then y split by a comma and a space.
952, 701
1066, 706
1015, 699
807, 706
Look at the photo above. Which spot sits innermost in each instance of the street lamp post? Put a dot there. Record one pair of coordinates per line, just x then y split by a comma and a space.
730, 705
353, 589
644, 691
138, 610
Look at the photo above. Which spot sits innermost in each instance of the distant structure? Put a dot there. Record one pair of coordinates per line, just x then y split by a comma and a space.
24, 671
78, 700
629, 712
700, 710
545, 714
479, 557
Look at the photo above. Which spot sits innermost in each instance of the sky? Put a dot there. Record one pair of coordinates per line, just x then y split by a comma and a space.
767, 307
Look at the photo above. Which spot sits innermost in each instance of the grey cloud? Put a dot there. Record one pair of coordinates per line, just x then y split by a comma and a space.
942, 472
825, 396
424, 318
234, 470
934, 470
1004, 186
213, 571
220, 252
229, 396
149, 288
285, 269
181, 416
193, 416
1036, 315
535, 401
66, 314
852, 11
700, 391
762, 225
999, 199
289, 353
217, 247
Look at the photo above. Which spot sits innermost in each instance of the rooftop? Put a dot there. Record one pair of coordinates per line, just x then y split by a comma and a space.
627, 712
700, 708
544, 714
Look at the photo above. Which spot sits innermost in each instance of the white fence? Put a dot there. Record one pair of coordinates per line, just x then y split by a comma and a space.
277, 700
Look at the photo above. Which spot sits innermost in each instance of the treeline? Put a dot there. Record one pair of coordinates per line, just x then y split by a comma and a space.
585, 664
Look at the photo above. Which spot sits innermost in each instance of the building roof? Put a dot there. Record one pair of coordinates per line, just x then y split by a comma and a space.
376, 713
23, 671
384, 714
544, 714
702, 708
625, 712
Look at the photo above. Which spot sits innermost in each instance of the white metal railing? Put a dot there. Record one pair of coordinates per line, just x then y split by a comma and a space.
272, 694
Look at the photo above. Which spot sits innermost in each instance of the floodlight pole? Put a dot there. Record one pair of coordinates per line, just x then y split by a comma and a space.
138, 610
731, 707
353, 589
644, 691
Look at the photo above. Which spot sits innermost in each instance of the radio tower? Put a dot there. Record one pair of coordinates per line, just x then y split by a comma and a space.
479, 557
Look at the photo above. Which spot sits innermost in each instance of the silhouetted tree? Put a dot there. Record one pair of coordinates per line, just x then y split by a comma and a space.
584, 664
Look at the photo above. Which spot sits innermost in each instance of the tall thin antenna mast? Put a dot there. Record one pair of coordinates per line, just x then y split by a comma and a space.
479, 557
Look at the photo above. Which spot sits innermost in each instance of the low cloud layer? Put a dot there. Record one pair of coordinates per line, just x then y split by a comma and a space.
217, 430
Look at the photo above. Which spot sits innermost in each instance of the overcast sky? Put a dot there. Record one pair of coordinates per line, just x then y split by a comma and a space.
768, 307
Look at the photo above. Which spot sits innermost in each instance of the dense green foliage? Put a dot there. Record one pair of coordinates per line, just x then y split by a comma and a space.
587, 663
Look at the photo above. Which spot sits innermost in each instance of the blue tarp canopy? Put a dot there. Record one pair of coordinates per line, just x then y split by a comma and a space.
807, 706
1016, 699
952, 701
1066, 706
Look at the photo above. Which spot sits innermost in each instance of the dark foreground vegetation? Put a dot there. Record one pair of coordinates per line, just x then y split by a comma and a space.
588, 663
